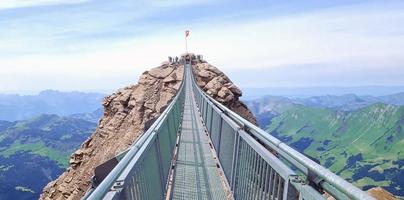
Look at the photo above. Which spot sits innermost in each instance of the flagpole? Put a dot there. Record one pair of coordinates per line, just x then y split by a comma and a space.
186, 40
186, 44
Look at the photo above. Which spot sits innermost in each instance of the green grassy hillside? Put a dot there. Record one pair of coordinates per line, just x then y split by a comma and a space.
365, 146
36, 151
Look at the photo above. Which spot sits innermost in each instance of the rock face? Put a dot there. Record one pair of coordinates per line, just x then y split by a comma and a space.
217, 85
126, 113
381, 194
376, 192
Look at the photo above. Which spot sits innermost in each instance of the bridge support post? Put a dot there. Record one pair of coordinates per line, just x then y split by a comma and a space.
160, 160
220, 137
235, 160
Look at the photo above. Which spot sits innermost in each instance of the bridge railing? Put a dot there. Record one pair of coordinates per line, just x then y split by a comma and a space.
259, 166
144, 170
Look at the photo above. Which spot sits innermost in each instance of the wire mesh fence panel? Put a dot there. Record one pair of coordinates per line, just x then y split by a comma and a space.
226, 148
208, 120
206, 110
172, 130
145, 180
215, 130
255, 177
165, 148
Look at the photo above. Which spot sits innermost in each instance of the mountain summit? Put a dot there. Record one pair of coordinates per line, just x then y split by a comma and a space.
127, 114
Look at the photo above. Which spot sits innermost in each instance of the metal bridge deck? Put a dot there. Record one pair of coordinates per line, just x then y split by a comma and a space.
244, 152
196, 175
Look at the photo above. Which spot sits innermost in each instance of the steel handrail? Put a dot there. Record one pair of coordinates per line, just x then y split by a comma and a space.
339, 183
105, 186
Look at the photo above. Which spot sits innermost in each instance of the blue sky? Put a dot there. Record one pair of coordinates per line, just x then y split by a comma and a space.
104, 44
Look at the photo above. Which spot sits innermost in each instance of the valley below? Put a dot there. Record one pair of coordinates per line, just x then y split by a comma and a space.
360, 138
37, 138
36, 151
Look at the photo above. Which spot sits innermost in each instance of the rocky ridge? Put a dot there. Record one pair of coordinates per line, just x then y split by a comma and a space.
217, 85
381, 194
377, 192
126, 114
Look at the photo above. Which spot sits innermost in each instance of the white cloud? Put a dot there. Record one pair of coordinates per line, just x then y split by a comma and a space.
358, 40
335, 36
4, 4
177, 3
111, 66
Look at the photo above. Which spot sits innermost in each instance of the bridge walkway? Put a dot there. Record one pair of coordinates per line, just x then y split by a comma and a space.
196, 175
249, 170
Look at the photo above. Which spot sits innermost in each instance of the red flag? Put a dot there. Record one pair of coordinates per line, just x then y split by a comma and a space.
186, 33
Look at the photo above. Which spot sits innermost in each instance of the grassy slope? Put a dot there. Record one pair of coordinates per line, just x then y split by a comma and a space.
352, 144
38, 148
49, 136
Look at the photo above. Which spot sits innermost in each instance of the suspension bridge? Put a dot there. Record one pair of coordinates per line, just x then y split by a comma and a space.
200, 149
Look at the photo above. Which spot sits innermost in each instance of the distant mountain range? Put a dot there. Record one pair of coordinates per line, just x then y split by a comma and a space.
253, 93
19, 107
350, 101
36, 151
94, 116
360, 138
268, 107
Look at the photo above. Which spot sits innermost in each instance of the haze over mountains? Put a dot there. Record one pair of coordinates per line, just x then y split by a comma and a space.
302, 92
19, 107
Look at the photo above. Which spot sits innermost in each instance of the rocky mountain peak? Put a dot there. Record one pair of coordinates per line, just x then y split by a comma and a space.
217, 85
126, 113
